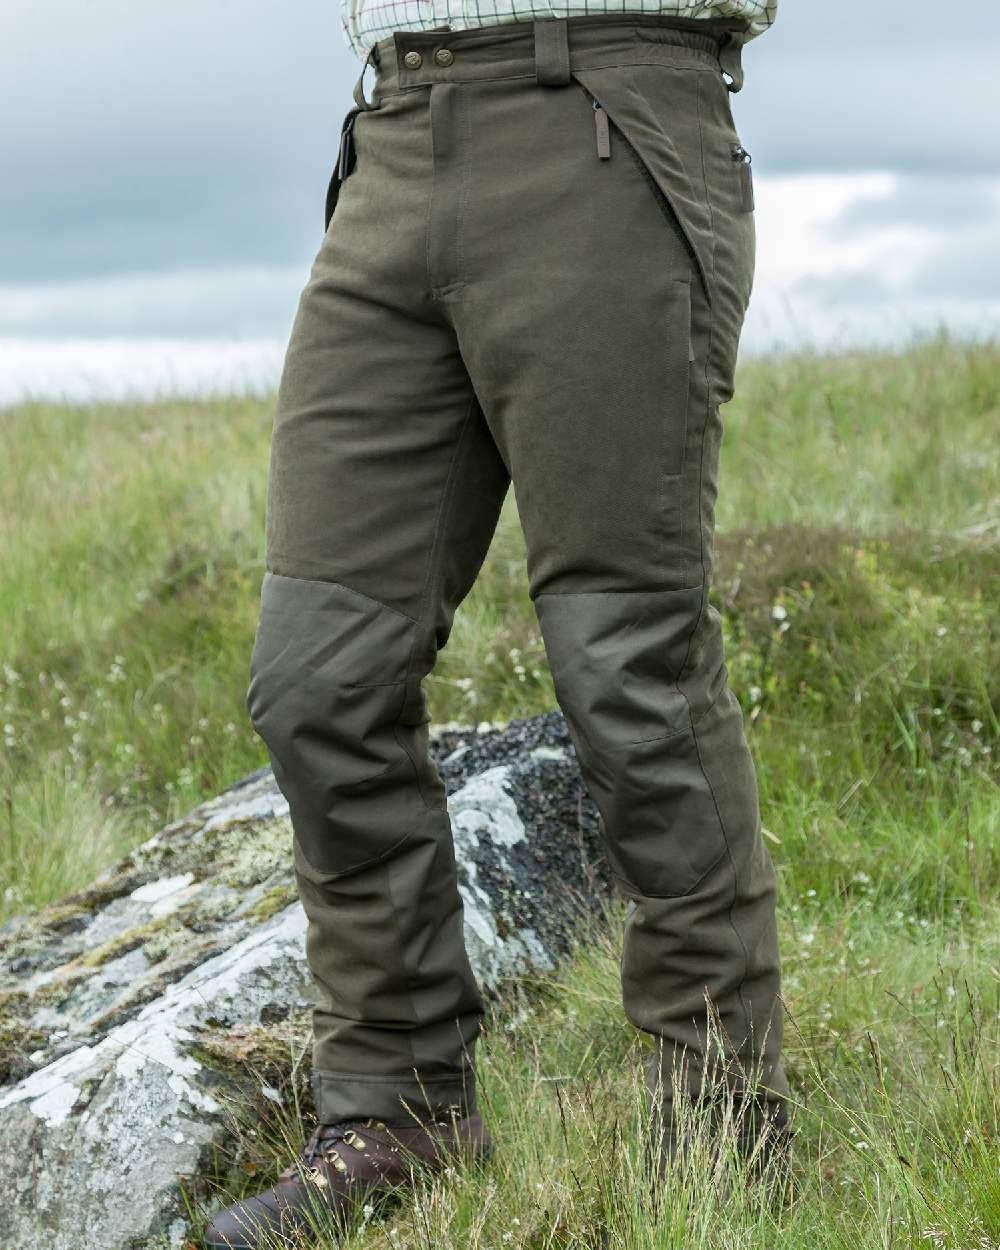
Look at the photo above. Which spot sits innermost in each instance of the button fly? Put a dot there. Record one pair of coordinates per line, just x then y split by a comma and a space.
413, 60
444, 56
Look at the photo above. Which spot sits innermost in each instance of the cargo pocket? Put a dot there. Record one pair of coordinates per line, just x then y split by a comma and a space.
346, 157
620, 108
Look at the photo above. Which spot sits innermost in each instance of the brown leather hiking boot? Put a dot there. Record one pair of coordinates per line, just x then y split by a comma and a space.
341, 1167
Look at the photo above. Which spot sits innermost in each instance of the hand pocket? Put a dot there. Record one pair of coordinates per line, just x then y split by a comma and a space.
622, 112
679, 353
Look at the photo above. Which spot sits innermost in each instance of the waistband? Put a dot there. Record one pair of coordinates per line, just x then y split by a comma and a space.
547, 49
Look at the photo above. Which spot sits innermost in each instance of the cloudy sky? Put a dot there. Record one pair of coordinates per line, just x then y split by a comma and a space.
163, 166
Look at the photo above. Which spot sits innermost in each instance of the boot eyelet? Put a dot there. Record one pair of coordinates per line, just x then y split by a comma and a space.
316, 1177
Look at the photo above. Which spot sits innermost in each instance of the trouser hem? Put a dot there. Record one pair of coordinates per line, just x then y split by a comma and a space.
397, 1100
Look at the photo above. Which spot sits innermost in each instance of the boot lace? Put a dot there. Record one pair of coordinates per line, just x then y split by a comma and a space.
321, 1146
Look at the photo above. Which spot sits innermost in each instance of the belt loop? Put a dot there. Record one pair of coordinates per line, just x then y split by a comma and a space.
730, 61
551, 52
359, 91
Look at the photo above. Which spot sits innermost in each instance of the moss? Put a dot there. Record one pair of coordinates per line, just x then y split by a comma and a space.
55, 992
122, 943
273, 901
244, 853
168, 973
17, 1040
17, 1037
12, 1002
67, 917
120, 882
203, 914
74, 911
241, 853
167, 941
277, 1052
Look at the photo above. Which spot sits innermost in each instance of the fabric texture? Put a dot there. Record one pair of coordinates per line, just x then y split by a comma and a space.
365, 22
535, 272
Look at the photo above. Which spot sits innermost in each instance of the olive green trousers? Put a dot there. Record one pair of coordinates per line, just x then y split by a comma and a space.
538, 257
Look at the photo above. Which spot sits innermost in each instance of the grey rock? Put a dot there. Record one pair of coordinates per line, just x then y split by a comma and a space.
106, 1097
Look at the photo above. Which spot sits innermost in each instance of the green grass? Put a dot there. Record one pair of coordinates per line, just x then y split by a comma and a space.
858, 574
892, 1050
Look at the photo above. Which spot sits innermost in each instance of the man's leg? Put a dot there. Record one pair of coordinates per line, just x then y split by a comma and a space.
385, 487
602, 273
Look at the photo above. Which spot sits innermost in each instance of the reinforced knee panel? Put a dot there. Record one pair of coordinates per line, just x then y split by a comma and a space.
328, 685
616, 660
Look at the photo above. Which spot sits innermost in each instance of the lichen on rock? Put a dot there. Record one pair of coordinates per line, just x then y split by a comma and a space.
126, 1009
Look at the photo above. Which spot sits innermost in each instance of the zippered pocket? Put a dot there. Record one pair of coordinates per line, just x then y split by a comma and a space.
678, 348
677, 344
604, 125
739, 153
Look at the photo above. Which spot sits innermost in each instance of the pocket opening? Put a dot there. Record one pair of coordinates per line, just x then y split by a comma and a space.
605, 116
679, 349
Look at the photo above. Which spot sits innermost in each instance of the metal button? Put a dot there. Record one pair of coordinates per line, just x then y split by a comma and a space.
444, 56
413, 60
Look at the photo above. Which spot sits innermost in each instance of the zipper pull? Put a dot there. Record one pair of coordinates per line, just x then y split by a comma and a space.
603, 132
739, 153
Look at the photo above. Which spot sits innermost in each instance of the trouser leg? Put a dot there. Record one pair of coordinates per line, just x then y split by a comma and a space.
590, 281
384, 490
599, 301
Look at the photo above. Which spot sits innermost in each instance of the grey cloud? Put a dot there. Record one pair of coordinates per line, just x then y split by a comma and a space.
165, 134
930, 201
926, 114
961, 259
184, 134
224, 303
963, 265
851, 287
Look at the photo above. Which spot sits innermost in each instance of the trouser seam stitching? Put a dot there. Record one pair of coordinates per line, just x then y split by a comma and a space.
362, 865
668, 590
322, 1074
330, 581
429, 584
685, 893
694, 722
409, 88
732, 923
430, 190
705, 578
463, 202
401, 947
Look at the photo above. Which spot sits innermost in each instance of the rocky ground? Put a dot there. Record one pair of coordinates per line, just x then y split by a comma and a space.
124, 1008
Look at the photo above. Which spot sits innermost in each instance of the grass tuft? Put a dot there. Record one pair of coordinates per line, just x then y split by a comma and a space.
858, 578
